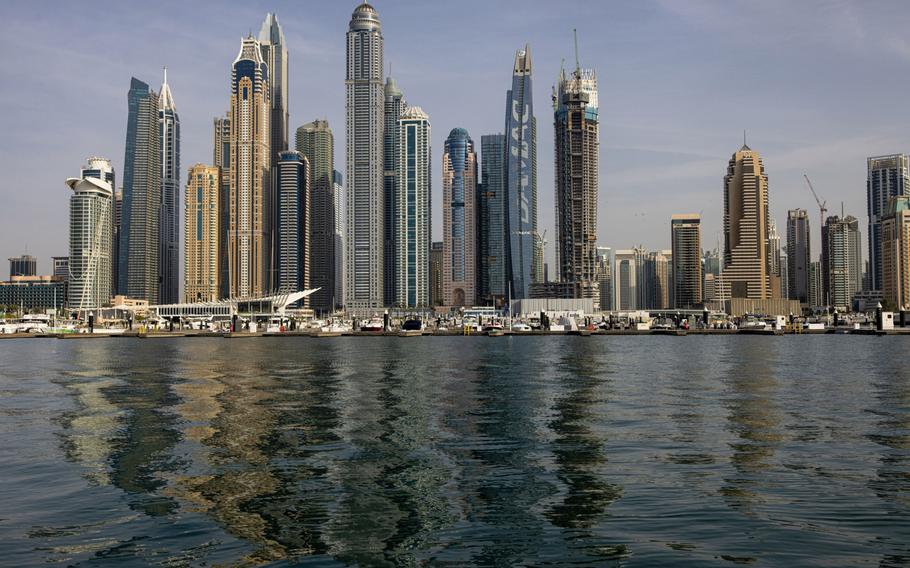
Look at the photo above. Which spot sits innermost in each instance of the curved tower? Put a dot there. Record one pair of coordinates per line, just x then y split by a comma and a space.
521, 178
91, 231
364, 160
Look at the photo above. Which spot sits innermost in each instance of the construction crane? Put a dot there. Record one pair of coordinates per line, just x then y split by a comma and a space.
821, 204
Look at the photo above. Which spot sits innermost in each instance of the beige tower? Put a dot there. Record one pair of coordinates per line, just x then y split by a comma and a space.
896, 254
201, 238
248, 231
747, 256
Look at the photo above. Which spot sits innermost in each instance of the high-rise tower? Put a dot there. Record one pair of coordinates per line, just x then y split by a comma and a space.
841, 261
887, 177
91, 231
412, 210
202, 235
248, 203
459, 190
491, 241
394, 106
275, 54
577, 146
293, 231
521, 176
169, 226
685, 235
747, 221
317, 143
139, 262
365, 97
798, 255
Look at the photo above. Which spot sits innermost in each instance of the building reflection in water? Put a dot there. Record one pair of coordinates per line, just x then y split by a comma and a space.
579, 446
753, 418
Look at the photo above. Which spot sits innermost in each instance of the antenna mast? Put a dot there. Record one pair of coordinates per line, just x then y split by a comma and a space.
577, 65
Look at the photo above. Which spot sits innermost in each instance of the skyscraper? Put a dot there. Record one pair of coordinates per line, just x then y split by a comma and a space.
887, 177
293, 231
221, 159
747, 258
365, 97
139, 263
491, 242
101, 168
202, 235
605, 260
841, 263
577, 153
394, 106
91, 231
169, 226
317, 143
798, 254
338, 192
521, 176
816, 293
774, 250
654, 286
275, 54
896, 254
459, 190
685, 236
248, 231
411, 210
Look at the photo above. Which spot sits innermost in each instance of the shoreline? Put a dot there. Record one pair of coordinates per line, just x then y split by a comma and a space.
322, 335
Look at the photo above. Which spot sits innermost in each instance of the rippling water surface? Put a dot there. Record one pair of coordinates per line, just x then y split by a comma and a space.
632, 451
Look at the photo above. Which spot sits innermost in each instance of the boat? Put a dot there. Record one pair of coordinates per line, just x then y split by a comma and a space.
521, 327
373, 326
412, 325
495, 332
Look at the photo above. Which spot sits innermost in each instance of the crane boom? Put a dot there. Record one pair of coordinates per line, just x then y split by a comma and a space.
821, 204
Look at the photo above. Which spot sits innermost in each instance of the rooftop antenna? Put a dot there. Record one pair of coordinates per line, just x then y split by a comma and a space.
744, 137
165, 74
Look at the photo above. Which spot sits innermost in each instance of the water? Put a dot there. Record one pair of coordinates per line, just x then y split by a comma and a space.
602, 451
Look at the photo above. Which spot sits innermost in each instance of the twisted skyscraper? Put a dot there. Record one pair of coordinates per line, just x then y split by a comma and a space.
521, 178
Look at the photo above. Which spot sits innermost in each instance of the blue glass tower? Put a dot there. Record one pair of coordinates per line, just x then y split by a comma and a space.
521, 178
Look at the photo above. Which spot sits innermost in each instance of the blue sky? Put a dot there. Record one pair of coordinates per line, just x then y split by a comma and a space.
818, 85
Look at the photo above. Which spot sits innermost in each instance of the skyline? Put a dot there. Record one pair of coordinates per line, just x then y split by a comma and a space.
665, 139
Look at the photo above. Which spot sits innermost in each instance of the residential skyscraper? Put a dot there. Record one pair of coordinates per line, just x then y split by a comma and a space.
139, 262
411, 210
459, 190
896, 254
169, 225
248, 203
654, 280
605, 261
365, 97
221, 159
577, 156
275, 54
62, 266
816, 292
841, 262
887, 177
774, 250
685, 236
25, 265
798, 254
91, 232
202, 235
101, 168
317, 144
293, 231
491, 225
521, 177
393, 108
747, 258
